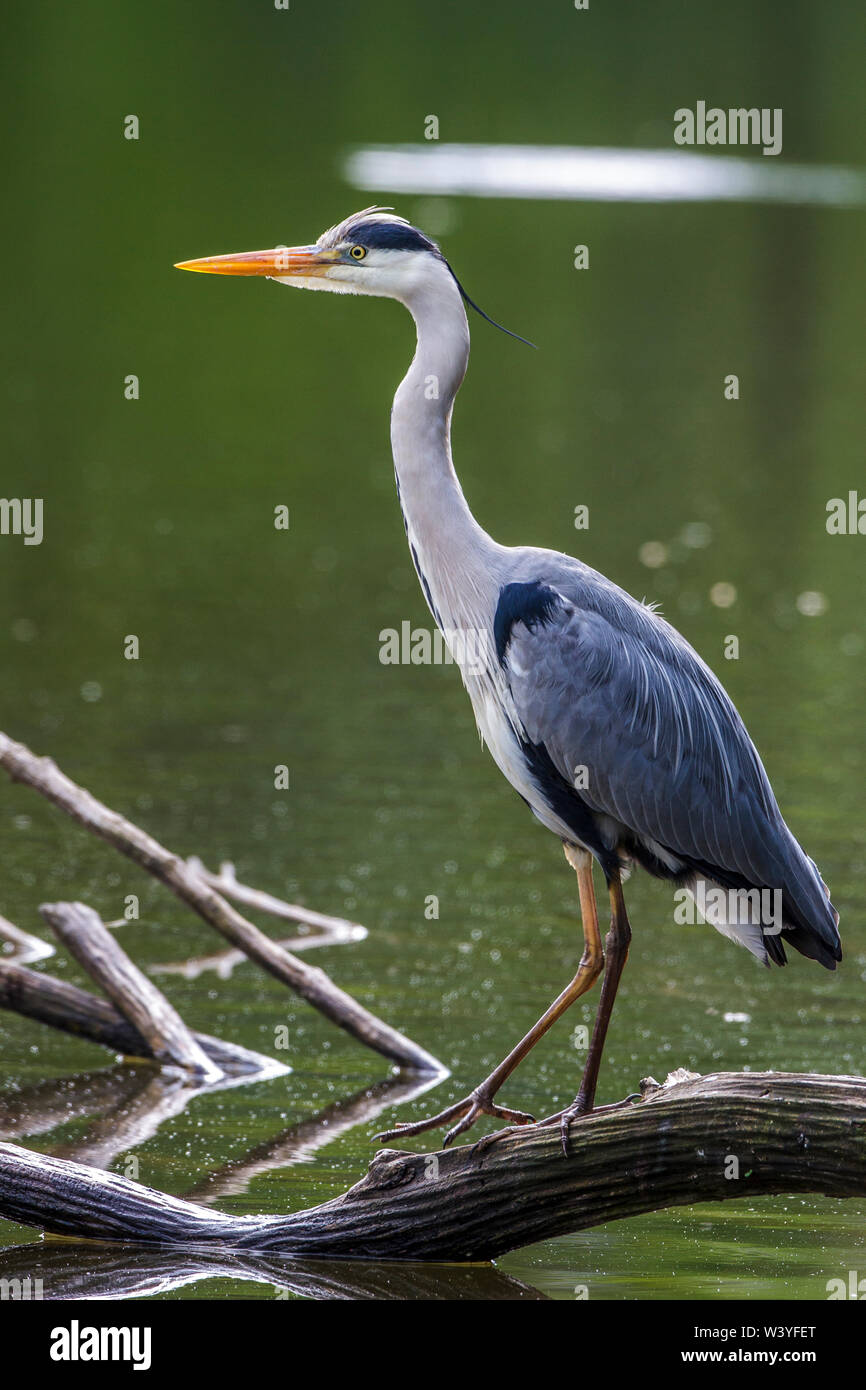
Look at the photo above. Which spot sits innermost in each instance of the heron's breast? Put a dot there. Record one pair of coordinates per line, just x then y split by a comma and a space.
498, 733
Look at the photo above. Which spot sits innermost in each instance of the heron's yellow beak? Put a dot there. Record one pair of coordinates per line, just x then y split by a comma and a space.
282, 260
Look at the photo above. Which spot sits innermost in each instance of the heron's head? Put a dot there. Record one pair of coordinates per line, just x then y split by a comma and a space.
372, 252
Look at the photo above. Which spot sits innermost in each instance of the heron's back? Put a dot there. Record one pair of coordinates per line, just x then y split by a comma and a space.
620, 737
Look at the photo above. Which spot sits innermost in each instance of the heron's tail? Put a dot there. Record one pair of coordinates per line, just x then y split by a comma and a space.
811, 922
765, 919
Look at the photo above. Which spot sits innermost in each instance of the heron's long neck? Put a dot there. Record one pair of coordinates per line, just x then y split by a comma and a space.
450, 550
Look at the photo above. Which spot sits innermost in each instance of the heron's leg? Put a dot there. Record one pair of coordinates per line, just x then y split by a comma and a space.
616, 953
480, 1101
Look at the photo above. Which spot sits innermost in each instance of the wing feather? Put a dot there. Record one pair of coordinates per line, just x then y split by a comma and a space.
605, 683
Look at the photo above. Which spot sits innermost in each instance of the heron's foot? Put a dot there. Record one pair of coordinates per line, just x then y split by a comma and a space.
563, 1118
479, 1102
578, 1110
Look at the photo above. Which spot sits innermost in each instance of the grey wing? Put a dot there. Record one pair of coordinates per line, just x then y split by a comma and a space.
631, 718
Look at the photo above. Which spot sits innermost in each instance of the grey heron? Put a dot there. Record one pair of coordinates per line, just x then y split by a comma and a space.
572, 674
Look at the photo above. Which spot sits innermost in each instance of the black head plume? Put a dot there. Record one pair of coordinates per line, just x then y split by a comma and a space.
479, 310
381, 229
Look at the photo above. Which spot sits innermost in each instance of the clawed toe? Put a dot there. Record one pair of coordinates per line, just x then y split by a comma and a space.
465, 1112
513, 1117
579, 1110
405, 1130
571, 1112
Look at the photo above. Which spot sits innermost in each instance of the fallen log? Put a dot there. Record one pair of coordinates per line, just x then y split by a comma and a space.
311, 982
703, 1139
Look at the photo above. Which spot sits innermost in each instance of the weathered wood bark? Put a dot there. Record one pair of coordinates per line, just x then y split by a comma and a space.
310, 982
787, 1133
143, 1006
64, 1006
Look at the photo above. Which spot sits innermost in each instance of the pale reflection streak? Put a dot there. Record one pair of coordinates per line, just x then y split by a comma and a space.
598, 175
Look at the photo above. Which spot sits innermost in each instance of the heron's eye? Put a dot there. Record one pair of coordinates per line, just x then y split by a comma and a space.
358, 252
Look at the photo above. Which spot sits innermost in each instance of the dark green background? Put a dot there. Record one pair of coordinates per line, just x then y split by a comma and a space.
261, 647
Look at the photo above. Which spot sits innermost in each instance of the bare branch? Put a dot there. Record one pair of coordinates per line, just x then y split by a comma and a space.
310, 982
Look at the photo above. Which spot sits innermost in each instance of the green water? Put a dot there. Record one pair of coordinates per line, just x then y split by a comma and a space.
260, 647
